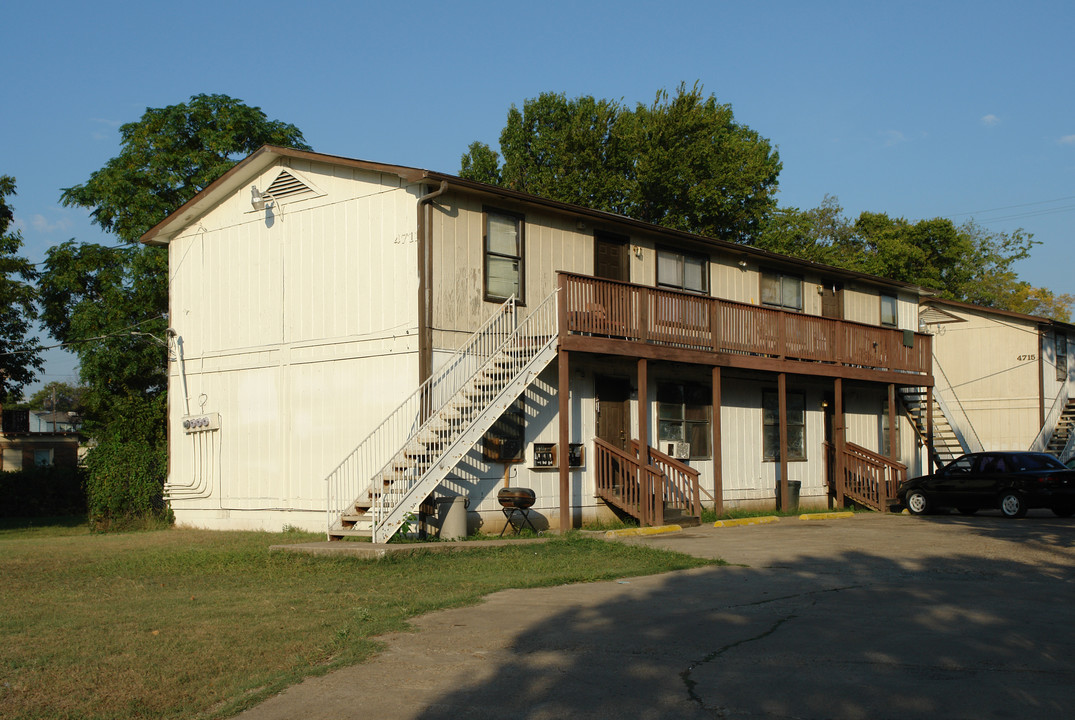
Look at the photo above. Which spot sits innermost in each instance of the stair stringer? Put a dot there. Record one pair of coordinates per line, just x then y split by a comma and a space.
391, 507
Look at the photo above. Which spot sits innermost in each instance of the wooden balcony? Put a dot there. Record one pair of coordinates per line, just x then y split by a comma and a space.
605, 316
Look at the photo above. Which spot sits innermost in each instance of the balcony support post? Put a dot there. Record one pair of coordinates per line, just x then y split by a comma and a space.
564, 408
718, 456
782, 392
838, 432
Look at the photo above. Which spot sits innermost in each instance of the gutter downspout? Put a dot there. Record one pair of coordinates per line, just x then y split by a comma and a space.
1041, 378
425, 283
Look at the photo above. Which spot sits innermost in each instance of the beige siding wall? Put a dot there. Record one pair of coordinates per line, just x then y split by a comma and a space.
557, 242
299, 326
987, 370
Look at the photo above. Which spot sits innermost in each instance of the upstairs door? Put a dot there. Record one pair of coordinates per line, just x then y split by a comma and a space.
610, 257
832, 300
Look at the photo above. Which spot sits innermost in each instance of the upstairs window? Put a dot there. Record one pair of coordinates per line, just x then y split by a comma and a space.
782, 291
682, 271
889, 315
503, 256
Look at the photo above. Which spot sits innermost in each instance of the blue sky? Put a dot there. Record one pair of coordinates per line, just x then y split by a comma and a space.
918, 109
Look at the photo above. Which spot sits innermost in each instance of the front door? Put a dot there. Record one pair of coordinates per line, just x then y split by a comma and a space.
610, 257
612, 397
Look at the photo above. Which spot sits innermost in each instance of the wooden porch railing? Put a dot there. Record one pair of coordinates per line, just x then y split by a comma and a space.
867, 478
681, 487
639, 313
622, 481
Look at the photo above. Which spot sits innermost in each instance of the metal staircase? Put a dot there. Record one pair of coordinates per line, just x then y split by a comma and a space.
1062, 432
947, 445
387, 477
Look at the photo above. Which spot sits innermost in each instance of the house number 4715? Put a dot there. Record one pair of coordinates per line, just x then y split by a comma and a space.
1025, 358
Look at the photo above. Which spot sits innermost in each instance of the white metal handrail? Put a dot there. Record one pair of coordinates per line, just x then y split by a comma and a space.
355, 473
447, 422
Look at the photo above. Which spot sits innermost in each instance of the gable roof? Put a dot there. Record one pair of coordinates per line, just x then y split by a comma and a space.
265, 156
939, 303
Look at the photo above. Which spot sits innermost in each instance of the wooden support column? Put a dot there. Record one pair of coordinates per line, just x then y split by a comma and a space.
564, 409
893, 451
839, 439
718, 458
782, 393
643, 412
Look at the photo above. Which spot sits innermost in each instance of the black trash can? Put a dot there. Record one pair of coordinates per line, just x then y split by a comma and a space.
794, 486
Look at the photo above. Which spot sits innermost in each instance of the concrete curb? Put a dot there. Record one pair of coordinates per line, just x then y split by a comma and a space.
633, 532
737, 522
826, 516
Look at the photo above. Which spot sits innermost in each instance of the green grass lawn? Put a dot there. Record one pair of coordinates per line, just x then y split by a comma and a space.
188, 623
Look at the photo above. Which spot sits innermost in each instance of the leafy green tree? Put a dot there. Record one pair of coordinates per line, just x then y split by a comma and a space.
58, 397
966, 262
681, 162
20, 357
109, 304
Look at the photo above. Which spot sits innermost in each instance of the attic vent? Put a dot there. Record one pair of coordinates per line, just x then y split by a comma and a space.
287, 185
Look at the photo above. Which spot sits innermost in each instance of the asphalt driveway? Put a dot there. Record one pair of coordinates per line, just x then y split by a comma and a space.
876, 616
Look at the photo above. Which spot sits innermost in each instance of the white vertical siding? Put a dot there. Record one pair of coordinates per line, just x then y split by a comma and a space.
299, 326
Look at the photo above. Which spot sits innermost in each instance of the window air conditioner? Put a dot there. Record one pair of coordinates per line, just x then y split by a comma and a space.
680, 450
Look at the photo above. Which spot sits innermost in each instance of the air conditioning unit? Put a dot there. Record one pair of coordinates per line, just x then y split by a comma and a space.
679, 450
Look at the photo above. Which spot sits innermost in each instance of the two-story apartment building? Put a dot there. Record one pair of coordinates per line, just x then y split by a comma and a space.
351, 337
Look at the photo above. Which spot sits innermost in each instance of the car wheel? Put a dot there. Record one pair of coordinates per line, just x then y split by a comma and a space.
1064, 510
917, 502
1012, 505
967, 510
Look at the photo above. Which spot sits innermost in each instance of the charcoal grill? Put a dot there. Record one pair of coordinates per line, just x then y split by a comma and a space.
516, 501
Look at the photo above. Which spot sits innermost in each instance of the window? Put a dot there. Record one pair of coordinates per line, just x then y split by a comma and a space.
682, 271
770, 410
783, 291
503, 255
1061, 356
683, 411
885, 449
888, 311
43, 458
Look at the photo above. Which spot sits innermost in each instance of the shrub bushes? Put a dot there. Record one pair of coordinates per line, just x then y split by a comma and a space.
125, 483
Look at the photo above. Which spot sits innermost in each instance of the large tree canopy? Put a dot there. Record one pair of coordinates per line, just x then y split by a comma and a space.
681, 162
965, 262
110, 303
19, 349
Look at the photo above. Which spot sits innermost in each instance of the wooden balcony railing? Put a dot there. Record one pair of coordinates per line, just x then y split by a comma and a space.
622, 481
868, 479
681, 488
638, 313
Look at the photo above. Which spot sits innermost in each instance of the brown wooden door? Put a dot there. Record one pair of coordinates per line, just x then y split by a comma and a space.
832, 300
610, 257
612, 410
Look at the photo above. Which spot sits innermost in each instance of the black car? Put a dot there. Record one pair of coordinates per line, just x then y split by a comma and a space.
1011, 481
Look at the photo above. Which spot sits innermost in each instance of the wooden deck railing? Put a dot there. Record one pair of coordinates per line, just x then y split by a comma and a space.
607, 308
681, 487
867, 478
622, 481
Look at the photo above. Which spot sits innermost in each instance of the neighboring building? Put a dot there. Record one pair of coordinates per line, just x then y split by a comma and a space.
1003, 379
30, 438
311, 294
